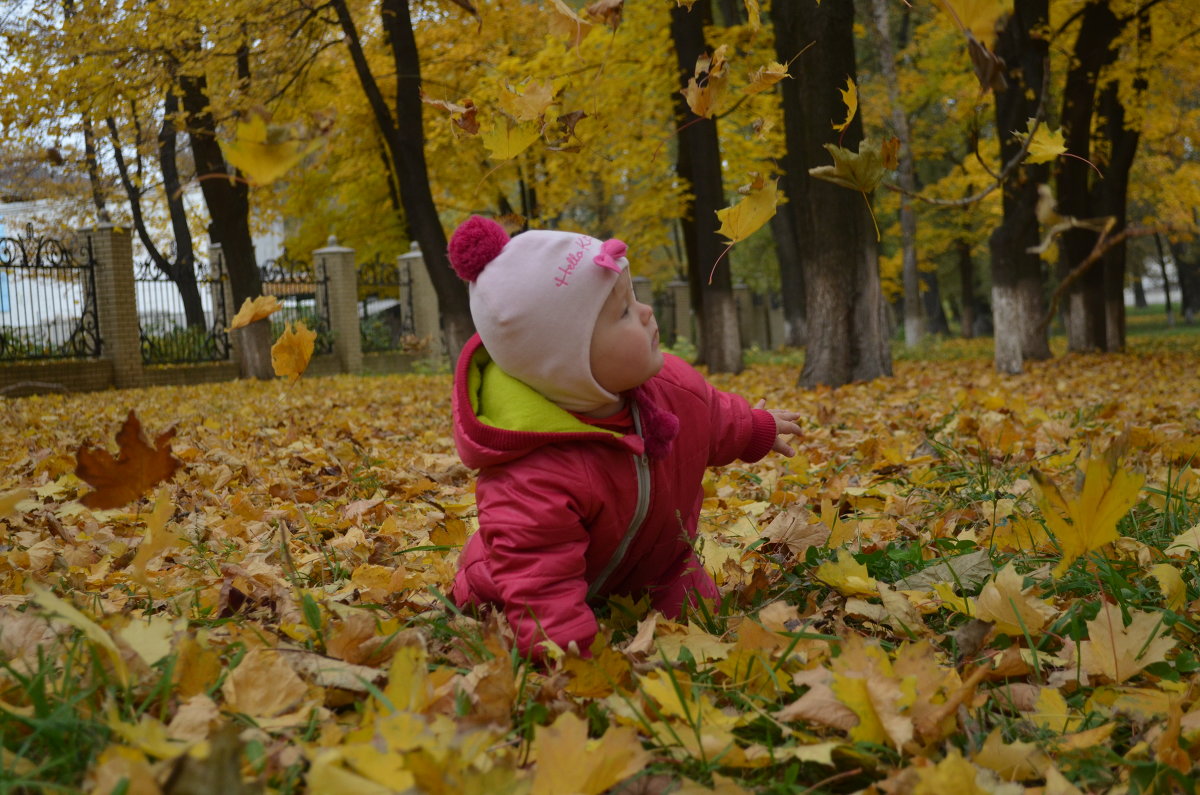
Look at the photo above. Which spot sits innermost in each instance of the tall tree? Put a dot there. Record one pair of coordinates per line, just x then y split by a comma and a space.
699, 163
1017, 282
847, 339
914, 310
403, 133
1094, 49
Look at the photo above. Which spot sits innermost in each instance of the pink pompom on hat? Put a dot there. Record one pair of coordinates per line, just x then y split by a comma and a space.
535, 298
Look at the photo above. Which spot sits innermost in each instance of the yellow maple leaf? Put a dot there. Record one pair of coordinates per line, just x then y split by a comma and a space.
263, 685
9, 500
1170, 582
1046, 145
706, 87
847, 575
156, 539
46, 599
1089, 520
850, 97
506, 140
977, 17
1012, 609
566, 23
265, 152
530, 104
952, 774
864, 681
255, 309
568, 762
1050, 711
1015, 761
292, 351
764, 77
746, 217
1119, 652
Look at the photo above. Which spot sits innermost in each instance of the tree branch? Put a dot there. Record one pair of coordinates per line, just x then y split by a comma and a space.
1103, 244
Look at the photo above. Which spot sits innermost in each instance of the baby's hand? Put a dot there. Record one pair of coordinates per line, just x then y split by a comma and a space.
785, 422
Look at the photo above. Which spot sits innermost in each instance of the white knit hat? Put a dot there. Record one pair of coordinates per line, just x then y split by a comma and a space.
535, 299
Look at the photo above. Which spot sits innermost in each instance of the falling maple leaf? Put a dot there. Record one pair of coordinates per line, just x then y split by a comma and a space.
505, 140
977, 17
1046, 145
764, 77
566, 23
606, 12
861, 171
746, 217
254, 309
136, 469
292, 351
850, 97
707, 85
529, 104
1119, 652
1089, 520
263, 151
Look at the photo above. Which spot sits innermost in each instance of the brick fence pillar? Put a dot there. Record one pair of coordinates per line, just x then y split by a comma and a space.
116, 302
427, 322
335, 267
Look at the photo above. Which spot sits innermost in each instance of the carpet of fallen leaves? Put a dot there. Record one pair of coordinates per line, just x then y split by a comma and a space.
962, 582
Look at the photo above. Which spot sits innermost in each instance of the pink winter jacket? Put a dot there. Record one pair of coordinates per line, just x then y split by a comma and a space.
570, 513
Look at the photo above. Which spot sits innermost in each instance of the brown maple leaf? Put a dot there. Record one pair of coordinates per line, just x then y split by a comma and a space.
137, 467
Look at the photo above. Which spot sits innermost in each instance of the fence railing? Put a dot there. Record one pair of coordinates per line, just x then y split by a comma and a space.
47, 299
182, 318
386, 321
304, 295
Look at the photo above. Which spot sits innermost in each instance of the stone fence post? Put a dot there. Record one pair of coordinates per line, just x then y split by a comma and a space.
116, 302
427, 323
339, 279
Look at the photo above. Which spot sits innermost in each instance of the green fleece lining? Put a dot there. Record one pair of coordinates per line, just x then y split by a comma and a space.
501, 401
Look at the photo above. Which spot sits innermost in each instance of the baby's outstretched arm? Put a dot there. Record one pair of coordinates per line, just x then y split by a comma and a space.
785, 423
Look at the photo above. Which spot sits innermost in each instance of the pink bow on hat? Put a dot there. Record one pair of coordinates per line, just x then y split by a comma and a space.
610, 251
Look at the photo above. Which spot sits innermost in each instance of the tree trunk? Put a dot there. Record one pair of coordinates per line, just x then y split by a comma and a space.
93, 171
1162, 264
791, 280
966, 285
1187, 268
404, 134
1139, 293
1085, 304
1017, 297
847, 329
700, 164
228, 202
183, 270
915, 325
931, 300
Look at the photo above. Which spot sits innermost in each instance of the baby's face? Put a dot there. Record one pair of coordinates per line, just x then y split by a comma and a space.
624, 352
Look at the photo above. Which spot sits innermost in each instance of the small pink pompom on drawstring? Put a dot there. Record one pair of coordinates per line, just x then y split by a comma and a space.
475, 243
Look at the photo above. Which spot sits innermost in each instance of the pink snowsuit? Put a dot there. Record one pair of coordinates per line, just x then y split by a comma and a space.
570, 513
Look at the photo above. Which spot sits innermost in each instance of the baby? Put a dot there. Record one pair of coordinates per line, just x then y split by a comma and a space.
591, 444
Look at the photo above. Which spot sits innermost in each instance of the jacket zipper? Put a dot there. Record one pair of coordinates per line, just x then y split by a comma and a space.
642, 466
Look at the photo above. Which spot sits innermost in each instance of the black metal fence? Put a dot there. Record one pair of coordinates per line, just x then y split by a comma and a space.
47, 299
304, 295
182, 317
385, 319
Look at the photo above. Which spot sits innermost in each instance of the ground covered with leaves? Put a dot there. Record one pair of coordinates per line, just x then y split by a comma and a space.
962, 582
